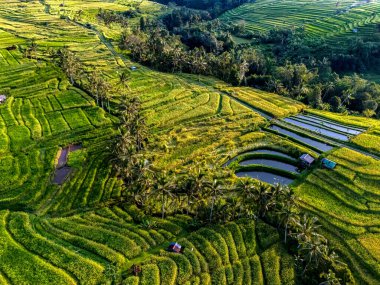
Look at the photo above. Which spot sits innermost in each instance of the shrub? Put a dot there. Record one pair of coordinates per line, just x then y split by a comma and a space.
197, 261
229, 274
205, 248
238, 238
287, 269
184, 267
217, 242
256, 270
271, 266
249, 235
266, 234
218, 277
131, 280
205, 279
238, 273
150, 275
168, 270
247, 271
227, 235
137, 215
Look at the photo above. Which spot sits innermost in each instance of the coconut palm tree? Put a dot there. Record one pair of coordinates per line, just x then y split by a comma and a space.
215, 190
163, 188
265, 199
70, 64
287, 216
94, 80
306, 230
314, 253
193, 184
124, 77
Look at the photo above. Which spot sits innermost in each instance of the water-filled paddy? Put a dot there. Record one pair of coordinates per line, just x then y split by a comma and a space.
331, 124
317, 129
267, 177
309, 141
271, 163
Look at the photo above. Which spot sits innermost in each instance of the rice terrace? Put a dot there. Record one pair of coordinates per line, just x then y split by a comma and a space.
189, 142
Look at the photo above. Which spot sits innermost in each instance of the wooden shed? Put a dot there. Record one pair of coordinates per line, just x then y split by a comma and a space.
174, 247
306, 159
3, 98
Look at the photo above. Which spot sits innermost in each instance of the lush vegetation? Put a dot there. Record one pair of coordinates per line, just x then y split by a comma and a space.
284, 61
149, 168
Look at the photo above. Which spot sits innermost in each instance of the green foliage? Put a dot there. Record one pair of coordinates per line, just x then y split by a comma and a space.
218, 276
76, 158
238, 273
150, 275
271, 266
267, 235
168, 270
131, 280
256, 270
185, 269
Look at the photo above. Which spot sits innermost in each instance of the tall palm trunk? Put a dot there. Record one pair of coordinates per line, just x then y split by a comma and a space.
212, 208
163, 205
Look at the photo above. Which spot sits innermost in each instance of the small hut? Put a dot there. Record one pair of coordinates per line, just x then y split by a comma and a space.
306, 160
3, 98
174, 247
329, 164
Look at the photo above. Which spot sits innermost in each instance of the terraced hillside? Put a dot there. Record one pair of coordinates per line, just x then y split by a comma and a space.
347, 201
90, 249
319, 18
66, 234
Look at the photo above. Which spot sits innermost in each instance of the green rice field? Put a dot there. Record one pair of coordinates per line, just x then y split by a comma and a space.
68, 234
319, 18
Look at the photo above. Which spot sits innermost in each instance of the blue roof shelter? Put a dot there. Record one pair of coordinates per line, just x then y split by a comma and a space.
174, 247
329, 164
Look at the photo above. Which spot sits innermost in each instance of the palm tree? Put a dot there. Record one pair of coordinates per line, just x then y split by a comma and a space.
287, 216
124, 77
198, 183
215, 190
330, 278
94, 79
246, 188
164, 187
264, 198
33, 47
306, 230
314, 253
70, 64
